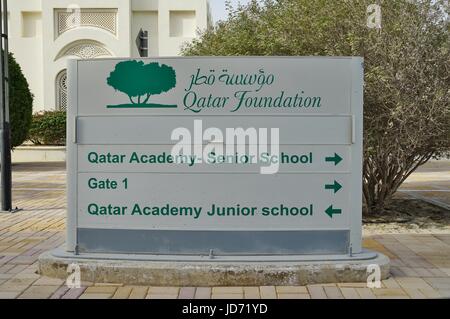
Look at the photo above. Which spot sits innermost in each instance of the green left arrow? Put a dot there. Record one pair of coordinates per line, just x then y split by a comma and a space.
335, 186
330, 211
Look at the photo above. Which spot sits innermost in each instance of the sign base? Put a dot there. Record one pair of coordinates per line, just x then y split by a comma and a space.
166, 270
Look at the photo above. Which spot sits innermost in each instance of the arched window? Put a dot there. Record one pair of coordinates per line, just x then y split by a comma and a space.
61, 90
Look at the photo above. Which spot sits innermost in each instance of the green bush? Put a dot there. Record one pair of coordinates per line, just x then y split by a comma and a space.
20, 103
48, 128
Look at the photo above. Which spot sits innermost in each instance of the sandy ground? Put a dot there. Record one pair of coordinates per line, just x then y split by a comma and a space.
408, 215
421, 206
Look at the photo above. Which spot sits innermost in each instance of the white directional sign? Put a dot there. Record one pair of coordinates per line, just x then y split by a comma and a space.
223, 155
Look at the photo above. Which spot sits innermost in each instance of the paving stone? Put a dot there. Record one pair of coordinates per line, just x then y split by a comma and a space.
408, 271
316, 292
437, 282
122, 292
353, 284
383, 292
17, 269
105, 284
227, 296
227, 290
100, 290
333, 293
20, 281
397, 263
445, 293
413, 283
138, 292
161, 296
23, 261
438, 272
23, 275
12, 287
391, 283
423, 272
430, 293
186, 293
293, 296
203, 293
414, 293
95, 296
86, 283
9, 294
365, 293
397, 272
268, 292
6, 276
60, 292
291, 289
163, 290
38, 292
393, 297
350, 293
73, 293
47, 281
251, 293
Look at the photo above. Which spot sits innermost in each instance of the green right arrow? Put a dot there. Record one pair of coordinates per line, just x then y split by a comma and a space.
335, 186
330, 211
336, 159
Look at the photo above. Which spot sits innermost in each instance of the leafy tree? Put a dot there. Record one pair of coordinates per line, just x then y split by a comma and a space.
139, 80
20, 103
407, 71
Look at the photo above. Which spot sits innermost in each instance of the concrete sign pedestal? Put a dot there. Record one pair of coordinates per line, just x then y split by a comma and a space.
203, 271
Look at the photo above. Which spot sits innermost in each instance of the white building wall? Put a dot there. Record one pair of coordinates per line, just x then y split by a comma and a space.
28, 47
42, 49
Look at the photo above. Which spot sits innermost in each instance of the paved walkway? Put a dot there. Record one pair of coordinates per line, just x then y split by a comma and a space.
420, 262
431, 183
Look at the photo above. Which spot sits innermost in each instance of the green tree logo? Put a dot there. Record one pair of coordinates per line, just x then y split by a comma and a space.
140, 81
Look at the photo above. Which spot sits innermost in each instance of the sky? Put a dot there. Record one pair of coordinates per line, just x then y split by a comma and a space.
218, 8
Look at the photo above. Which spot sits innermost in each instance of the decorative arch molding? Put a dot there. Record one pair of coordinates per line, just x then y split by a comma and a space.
84, 49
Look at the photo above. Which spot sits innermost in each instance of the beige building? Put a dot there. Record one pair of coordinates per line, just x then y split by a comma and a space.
44, 34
